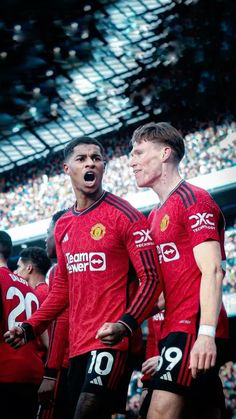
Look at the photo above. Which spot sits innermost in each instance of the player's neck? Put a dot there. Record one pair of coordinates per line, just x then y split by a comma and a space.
33, 282
166, 186
3, 263
85, 201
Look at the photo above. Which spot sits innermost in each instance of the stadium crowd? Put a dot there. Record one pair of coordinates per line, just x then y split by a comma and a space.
230, 248
227, 374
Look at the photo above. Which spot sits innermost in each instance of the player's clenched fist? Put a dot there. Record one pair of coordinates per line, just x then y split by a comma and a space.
15, 337
111, 333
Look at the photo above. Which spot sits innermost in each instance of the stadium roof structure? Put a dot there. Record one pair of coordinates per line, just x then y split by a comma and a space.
73, 82
101, 66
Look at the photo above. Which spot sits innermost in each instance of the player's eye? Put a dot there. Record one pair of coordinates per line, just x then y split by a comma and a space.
97, 158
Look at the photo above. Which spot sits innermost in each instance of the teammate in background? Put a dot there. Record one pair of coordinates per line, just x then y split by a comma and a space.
154, 331
96, 241
154, 325
33, 265
53, 391
150, 363
188, 230
20, 371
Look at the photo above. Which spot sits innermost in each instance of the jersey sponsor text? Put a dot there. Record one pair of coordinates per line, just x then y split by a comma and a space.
83, 261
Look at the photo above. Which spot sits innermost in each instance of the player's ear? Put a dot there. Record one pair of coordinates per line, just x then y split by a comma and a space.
29, 268
65, 168
105, 163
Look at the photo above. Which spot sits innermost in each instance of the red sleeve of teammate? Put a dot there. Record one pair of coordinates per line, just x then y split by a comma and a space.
58, 343
143, 255
41, 291
56, 301
151, 344
151, 347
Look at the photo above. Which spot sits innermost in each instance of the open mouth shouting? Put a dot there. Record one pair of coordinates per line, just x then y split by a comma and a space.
89, 178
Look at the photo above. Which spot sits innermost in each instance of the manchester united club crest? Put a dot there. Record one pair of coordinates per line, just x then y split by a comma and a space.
164, 222
97, 231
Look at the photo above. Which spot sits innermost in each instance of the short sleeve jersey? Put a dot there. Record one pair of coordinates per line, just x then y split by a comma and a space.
188, 217
94, 249
17, 302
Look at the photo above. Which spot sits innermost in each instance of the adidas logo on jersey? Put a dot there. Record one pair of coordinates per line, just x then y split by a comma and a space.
166, 376
65, 238
97, 380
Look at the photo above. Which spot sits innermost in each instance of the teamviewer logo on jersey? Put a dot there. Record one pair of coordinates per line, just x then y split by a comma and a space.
97, 261
84, 261
142, 238
167, 252
202, 220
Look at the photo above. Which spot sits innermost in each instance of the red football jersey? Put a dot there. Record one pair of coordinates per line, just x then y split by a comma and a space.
94, 249
41, 290
187, 218
17, 302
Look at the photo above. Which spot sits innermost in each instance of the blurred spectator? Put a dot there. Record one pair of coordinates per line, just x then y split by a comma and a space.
134, 395
229, 284
228, 374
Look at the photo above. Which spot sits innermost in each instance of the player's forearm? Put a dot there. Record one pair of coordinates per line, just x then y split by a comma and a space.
142, 305
44, 339
211, 296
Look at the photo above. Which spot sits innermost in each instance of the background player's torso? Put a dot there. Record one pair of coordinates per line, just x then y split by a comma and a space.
18, 302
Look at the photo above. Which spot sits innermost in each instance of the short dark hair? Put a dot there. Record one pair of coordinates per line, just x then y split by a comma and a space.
68, 150
38, 257
5, 244
57, 215
161, 132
